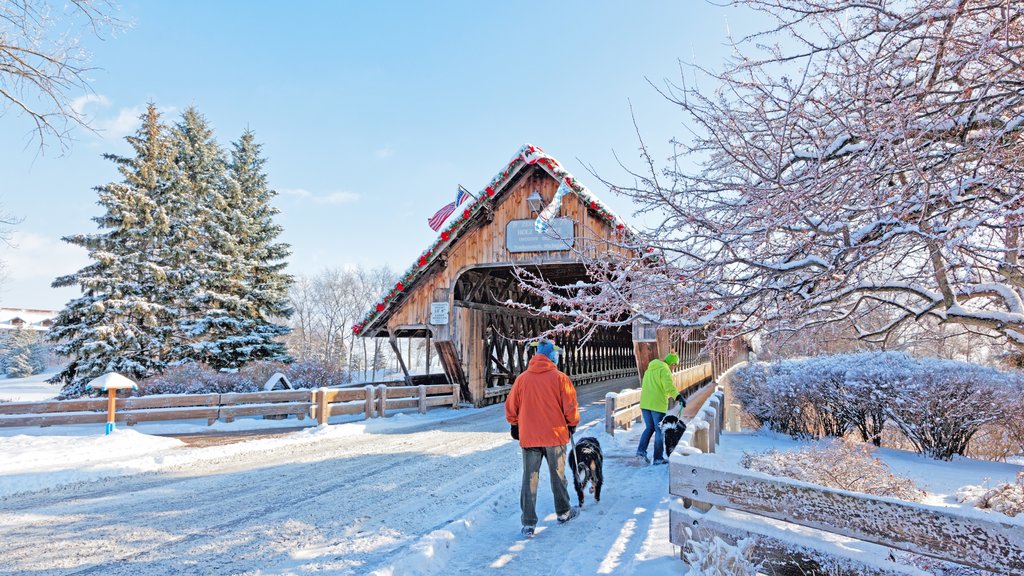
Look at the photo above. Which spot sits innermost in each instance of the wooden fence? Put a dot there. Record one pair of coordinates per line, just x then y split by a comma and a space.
623, 408
734, 505
370, 400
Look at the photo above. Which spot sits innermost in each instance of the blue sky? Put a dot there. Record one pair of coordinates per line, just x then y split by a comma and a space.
370, 114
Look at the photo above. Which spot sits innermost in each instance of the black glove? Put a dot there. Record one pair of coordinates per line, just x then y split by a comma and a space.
680, 399
515, 432
572, 430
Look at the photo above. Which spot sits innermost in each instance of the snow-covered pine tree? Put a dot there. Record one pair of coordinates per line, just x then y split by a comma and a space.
38, 355
122, 322
204, 258
235, 276
18, 360
263, 289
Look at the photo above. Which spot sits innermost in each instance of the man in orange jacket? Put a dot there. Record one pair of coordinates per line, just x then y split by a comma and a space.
543, 412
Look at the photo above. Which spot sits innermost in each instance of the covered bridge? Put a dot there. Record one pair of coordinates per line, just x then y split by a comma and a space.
456, 293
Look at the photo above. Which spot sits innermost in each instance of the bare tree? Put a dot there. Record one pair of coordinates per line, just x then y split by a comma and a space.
854, 156
43, 65
326, 305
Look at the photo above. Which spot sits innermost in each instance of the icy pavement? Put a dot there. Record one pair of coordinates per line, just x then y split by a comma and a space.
411, 494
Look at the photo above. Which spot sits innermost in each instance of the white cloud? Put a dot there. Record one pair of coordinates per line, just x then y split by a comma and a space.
78, 104
37, 257
334, 198
115, 127
385, 152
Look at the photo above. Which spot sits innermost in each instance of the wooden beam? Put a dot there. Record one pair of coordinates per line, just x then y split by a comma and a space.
398, 352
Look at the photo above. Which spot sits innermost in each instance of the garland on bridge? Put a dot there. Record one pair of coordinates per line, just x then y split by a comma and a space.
527, 155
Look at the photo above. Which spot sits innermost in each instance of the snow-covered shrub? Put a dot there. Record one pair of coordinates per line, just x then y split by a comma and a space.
838, 464
873, 381
314, 374
824, 379
1006, 498
715, 557
944, 404
1004, 437
197, 379
775, 397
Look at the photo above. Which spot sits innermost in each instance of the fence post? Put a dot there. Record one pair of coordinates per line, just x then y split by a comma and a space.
711, 418
716, 408
456, 391
323, 408
369, 401
423, 398
609, 413
734, 417
721, 410
382, 400
700, 442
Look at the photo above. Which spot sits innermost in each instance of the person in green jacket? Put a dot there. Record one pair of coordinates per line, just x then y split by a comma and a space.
656, 389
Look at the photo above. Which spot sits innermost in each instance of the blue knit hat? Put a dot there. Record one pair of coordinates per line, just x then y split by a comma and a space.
547, 348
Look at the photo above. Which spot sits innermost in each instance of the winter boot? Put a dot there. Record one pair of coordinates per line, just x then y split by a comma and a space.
572, 513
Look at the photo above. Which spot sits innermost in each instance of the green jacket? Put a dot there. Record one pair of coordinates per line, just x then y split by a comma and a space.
657, 387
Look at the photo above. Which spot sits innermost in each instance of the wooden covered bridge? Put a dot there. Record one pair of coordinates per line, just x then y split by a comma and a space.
456, 293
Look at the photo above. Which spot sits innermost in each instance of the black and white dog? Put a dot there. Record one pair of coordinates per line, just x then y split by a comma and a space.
672, 429
587, 461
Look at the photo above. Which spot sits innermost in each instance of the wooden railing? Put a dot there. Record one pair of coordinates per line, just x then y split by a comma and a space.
707, 490
623, 408
320, 403
976, 540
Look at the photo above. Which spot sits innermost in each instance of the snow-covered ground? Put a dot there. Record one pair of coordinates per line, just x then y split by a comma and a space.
409, 494
31, 389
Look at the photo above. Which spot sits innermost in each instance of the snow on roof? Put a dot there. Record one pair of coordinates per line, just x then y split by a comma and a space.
28, 318
526, 156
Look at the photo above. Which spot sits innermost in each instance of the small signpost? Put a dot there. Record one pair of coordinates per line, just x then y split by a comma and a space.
111, 383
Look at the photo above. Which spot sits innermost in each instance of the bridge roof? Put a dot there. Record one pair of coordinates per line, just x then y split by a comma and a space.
487, 199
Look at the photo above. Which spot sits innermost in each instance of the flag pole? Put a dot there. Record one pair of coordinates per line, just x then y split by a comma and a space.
463, 188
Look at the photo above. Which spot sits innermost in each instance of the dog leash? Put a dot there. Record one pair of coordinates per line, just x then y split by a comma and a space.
574, 463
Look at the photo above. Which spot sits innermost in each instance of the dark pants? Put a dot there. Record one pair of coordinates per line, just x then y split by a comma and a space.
651, 421
555, 455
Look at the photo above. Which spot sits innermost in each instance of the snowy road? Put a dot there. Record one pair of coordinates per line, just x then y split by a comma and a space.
430, 497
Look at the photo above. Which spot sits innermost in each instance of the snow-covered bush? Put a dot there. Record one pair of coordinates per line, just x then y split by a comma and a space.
824, 379
944, 405
873, 381
938, 405
715, 557
838, 464
774, 397
195, 378
1005, 498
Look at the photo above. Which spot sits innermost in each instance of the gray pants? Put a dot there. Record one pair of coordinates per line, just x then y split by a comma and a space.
555, 455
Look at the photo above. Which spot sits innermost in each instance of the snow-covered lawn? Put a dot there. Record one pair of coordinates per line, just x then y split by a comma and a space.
409, 494
31, 389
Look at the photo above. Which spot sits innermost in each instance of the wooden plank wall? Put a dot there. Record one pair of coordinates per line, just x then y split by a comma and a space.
485, 246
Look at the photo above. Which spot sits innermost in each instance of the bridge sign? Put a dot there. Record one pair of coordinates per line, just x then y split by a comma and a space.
520, 236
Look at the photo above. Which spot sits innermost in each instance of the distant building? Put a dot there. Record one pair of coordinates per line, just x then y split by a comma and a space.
26, 318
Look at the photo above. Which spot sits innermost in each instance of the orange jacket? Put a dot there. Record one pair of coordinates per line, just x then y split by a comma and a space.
543, 404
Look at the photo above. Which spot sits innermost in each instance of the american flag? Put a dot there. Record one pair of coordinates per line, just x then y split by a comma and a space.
438, 218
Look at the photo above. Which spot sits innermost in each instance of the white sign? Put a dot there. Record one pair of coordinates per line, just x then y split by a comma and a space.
439, 313
521, 236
